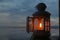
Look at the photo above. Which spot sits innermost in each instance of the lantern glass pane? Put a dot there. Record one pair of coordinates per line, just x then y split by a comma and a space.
47, 24
39, 24
35, 24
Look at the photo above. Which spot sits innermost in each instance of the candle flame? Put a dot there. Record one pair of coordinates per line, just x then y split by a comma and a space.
40, 25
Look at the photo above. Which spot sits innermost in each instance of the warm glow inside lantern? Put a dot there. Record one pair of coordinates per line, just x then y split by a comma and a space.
38, 23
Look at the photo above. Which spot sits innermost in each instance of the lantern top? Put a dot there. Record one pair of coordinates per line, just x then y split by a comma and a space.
41, 10
41, 6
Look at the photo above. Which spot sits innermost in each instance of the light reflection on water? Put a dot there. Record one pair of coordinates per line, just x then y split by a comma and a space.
19, 33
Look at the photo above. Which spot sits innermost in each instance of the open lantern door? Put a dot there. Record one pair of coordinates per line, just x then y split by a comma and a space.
29, 27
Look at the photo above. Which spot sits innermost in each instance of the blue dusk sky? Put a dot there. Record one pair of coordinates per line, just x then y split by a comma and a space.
14, 12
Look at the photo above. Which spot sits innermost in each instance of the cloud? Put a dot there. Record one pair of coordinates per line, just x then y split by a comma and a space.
14, 12
7, 20
4, 17
54, 21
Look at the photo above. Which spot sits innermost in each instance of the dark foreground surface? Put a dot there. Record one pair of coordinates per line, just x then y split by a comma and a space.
21, 34
51, 38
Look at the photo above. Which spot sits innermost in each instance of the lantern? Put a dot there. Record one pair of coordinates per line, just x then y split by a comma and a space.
39, 22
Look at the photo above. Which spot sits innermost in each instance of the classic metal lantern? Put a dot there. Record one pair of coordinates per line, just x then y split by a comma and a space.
39, 22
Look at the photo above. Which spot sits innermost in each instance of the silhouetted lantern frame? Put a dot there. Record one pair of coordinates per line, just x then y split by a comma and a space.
40, 22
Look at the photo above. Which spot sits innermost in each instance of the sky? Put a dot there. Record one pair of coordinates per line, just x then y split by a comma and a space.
15, 12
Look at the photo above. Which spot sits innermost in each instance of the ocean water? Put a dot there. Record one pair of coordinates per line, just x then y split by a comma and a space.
7, 33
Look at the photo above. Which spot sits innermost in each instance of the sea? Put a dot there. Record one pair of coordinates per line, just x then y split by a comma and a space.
19, 33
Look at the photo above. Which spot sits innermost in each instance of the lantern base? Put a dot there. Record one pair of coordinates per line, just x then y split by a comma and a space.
41, 34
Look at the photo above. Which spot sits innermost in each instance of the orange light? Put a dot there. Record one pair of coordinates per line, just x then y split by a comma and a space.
40, 25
